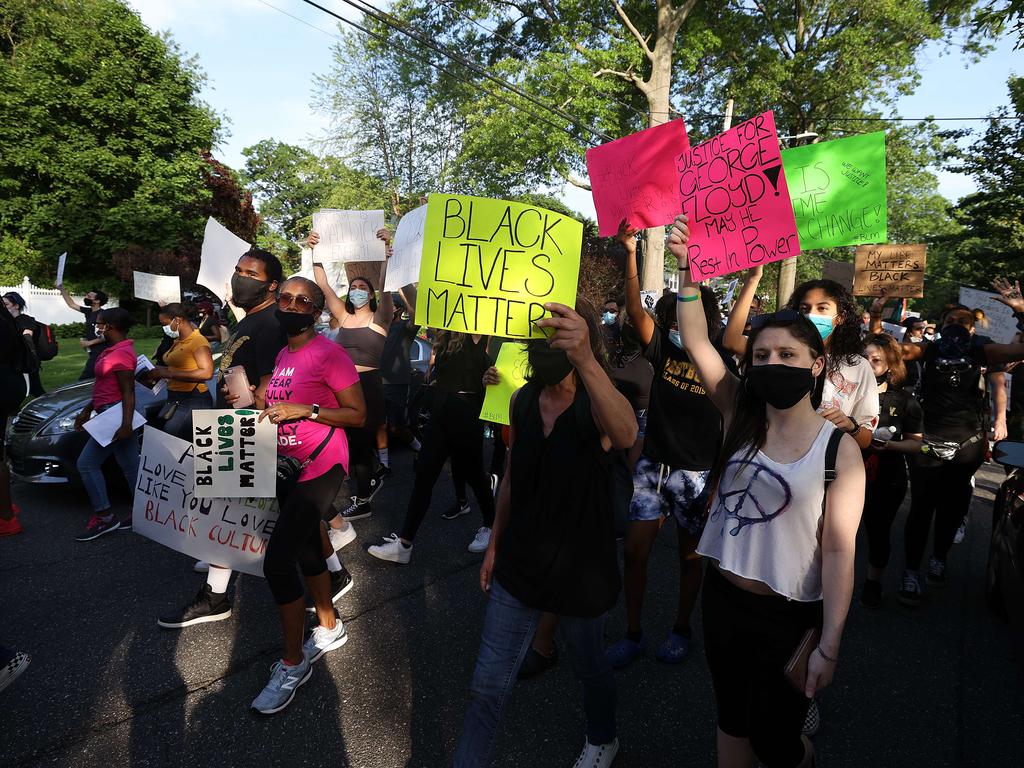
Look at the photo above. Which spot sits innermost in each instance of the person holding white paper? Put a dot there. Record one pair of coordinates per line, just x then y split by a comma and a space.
115, 384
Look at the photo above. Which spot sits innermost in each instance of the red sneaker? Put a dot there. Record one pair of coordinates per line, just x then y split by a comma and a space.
98, 527
10, 527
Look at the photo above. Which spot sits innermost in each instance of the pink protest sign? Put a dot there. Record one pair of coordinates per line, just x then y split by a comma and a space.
735, 196
636, 178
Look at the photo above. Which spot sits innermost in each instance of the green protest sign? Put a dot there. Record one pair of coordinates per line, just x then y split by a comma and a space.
838, 191
511, 365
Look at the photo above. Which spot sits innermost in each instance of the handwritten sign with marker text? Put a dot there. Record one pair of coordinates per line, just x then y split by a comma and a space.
163, 289
636, 178
348, 236
404, 264
893, 270
511, 365
232, 533
489, 266
838, 191
735, 195
61, 261
1002, 325
235, 454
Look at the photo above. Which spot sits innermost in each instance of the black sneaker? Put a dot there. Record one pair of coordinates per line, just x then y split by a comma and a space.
206, 606
458, 509
936, 576
910, 590
871, 593
377, 481
341, 582
125, 525
357, 510
536, 663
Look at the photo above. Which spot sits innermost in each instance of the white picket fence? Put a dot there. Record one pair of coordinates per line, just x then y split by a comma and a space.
47, 305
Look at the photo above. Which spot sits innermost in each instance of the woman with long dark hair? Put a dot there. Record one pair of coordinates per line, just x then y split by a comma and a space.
781, 549
453, 431
899, 433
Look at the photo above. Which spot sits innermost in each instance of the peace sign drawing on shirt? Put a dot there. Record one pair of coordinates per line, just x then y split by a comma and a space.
734, 501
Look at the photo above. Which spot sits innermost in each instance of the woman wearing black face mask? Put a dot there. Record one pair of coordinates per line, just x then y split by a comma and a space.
781, 550
313, 397
454, 430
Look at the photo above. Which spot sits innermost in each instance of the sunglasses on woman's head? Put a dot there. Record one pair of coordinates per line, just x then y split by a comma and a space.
303, 303
782, 316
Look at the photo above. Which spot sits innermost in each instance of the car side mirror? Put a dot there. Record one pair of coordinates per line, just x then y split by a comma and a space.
1009, 453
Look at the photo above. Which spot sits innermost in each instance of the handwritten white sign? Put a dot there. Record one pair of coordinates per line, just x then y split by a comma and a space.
235, 454
232, 533
348, 236
61, 261
1002, 326
404, 264
163, 289
220, 253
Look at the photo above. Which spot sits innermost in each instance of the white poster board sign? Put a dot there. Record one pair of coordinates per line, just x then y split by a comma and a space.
347, 236
235, 454
404, 264
103, 425
649, 299
163, 289
220, 253
61, 261
228, 532
1002, 326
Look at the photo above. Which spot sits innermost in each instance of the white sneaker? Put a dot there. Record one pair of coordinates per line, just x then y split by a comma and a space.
480, 541
341, 536
392, 549
201, 566
495, 484
322, 640
594, 756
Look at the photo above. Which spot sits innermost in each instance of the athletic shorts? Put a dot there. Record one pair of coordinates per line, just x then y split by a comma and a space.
660, 491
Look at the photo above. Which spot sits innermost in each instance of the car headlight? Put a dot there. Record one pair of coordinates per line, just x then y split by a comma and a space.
59, 426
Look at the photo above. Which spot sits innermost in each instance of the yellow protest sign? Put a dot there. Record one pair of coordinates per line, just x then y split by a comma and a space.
511, 365
489, 266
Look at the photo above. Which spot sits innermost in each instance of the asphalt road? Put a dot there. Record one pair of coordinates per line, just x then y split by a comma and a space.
934, 687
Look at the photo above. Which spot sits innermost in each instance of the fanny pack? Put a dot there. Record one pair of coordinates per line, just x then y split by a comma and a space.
289, 468
946, 450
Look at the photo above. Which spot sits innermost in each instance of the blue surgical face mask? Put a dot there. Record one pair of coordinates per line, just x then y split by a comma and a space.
608, 318
358, 297
822, 322
675, 338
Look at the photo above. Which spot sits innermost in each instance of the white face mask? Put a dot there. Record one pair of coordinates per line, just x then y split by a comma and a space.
358, 297
171, 332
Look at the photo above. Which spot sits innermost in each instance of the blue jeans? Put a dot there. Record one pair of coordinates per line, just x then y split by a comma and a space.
180, 424
508, 631
90, 467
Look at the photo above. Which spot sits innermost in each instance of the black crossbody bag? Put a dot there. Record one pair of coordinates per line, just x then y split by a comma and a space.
289, 468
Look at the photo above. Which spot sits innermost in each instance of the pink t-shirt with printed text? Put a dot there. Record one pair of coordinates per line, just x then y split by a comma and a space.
310, 375
116, 357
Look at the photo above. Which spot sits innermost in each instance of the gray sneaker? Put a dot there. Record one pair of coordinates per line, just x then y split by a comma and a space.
321, 640
280, 691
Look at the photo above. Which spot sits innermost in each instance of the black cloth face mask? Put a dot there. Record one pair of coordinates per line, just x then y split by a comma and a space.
550, 364
294, 323
781, 386
247, 292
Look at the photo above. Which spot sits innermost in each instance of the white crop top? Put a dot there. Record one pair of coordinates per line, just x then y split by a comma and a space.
765, 523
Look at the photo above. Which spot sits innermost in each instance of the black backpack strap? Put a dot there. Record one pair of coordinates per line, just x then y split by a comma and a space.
831, 454
319, 449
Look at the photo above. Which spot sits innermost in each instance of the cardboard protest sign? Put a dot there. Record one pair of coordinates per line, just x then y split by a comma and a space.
511, 364
895, 270
489, 266
61, 261
735, 195
404, 264
348, 236
1002, 325
841, 272
232, 533
163, 289
235, 454
636, 178
838, 191
220, 253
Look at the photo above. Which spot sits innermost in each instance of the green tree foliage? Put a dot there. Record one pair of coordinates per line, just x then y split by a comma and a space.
105, 142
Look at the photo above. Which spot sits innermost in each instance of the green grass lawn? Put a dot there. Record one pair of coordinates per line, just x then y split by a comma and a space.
66, 367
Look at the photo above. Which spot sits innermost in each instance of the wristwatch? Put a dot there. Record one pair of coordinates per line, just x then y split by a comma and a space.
316, 412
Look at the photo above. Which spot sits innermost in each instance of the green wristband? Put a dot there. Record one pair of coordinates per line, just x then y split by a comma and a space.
688, 298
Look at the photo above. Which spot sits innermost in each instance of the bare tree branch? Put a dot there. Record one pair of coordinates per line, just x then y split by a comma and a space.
629, 77
635, 32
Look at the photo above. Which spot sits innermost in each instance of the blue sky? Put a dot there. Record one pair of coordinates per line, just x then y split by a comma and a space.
261, 66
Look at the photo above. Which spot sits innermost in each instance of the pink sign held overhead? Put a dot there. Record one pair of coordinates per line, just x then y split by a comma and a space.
636, 178
735, 195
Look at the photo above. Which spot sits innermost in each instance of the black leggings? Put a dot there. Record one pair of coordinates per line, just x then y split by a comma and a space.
454, 430
362, 442
942, 491
883, 496
497, 464
296, 536
748, 639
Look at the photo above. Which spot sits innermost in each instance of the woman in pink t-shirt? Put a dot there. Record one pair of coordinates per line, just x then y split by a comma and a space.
114, 383
313, 394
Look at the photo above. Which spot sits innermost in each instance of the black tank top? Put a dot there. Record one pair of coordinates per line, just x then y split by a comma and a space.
363, 344
558, 552
463, 370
